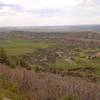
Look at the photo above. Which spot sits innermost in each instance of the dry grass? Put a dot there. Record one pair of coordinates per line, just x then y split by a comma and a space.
46, 86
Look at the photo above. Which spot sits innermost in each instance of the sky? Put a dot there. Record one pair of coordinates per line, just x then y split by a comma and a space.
49, 12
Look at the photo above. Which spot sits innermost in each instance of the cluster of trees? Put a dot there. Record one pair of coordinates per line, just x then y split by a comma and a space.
41, 64
12, 61
42, 58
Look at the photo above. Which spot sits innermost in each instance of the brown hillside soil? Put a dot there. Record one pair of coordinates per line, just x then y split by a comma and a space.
6, 98
46, 86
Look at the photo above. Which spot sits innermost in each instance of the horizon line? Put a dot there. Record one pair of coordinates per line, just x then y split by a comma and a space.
50, 25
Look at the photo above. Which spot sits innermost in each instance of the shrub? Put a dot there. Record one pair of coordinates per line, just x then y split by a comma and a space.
3, 56
24, 63
37, 69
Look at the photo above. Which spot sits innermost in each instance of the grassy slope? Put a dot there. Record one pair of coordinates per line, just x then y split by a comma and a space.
10, 90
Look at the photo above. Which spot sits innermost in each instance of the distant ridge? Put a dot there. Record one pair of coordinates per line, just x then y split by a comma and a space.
53, 28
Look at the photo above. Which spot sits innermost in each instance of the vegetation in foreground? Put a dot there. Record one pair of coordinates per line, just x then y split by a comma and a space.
22, 84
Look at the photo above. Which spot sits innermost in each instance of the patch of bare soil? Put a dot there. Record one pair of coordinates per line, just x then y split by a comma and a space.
6, 98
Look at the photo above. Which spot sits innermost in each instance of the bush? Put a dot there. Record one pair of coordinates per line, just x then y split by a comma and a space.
37, 69
12, 62
24, 63
3, 57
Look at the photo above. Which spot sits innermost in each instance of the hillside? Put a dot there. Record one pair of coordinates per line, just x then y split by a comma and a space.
43, 86
50, 65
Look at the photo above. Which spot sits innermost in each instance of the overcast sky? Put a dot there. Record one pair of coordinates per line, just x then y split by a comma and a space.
49, 12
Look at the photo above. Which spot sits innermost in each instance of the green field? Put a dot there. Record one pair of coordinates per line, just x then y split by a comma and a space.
18, 47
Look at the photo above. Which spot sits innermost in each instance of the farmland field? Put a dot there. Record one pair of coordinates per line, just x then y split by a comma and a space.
18, 47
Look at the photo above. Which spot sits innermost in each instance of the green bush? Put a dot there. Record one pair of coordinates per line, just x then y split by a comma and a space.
24, 63
37, 69
3, 56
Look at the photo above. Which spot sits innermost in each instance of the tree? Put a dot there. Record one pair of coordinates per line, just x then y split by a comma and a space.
3, 56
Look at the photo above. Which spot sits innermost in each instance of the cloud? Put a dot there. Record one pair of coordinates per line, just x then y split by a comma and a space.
49, 12
3, 5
